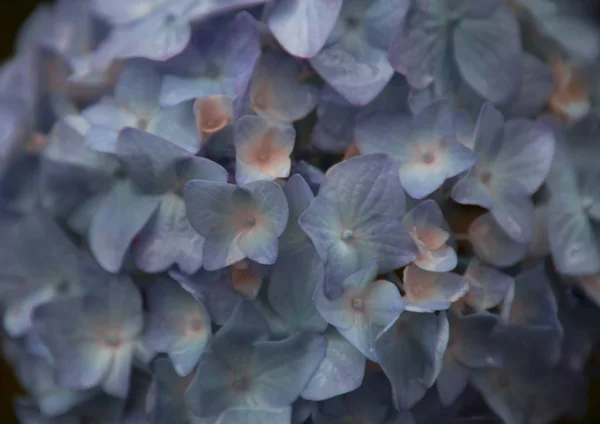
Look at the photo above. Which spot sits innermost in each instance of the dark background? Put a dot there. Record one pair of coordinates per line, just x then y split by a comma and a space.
11, 19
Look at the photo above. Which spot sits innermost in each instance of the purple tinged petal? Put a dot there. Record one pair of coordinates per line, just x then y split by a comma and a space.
488, 286
430, 291
177, 324
263, 150
122, 214
416, 47
526, 154
537, 84
178, 125
341, 370
354, 61
123, 11
355, 218
149, 160
473, 340
368, 183
488, 54
106, 118
275, 91
452, 381
285, 367
362, 309
425, 147
298, 195
220, 60
290, 293
116, 381
159, 36
137, 88
302, 27
492, 244
410, 352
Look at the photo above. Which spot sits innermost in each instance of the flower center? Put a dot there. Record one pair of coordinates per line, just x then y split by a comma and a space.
196, 325
213, 71
347, 234
358, 304
352, 22
170, 19
486, 177
428, 157
240, 383
250, 222
112, 339
142, 123
263, 156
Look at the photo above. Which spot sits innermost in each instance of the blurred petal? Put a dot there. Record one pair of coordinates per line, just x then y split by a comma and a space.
488, 54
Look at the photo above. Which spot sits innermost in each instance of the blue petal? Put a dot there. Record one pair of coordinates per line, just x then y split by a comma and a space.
122, 214
487, 286
302, 27
354, 60
176, 324
341, 370
492, 244
488, 54
220, 60
410, 352
275, 91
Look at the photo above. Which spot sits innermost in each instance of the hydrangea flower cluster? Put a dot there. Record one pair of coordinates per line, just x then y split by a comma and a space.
301, 211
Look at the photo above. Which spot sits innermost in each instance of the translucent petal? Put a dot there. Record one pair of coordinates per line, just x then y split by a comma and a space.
137, 88
158, 36
303, 27
176, 324
120, 12
169, 239
487, 286
275, 91
283, 369
430, 291
176, 124
148, 159
452, 381
362, 309
488, 54
298, 195
416, 48
263, 150
410, 352
110, 238
212, 113
473, 342
290, 293
354, 60
492, 244
355, 218
116, 382
219, 61
537, 84
341, 370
